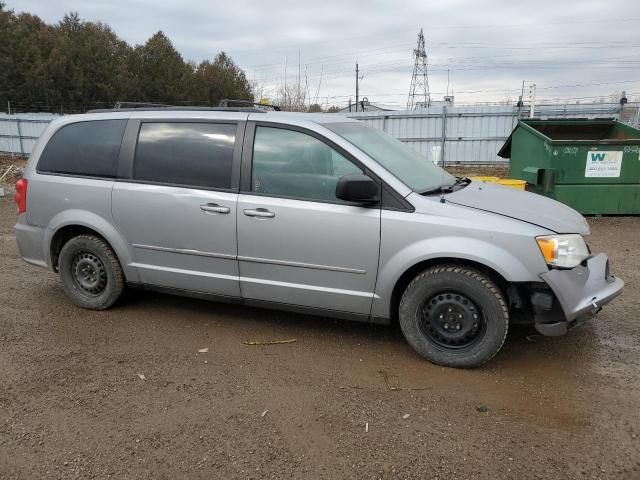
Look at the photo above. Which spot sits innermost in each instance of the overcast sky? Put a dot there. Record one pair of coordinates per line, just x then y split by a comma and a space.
489, 47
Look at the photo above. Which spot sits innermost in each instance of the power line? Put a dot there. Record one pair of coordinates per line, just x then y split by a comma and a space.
378, 34
497, 90
537, 47
396, 67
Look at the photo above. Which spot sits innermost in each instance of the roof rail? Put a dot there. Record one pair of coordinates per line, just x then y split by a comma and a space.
161, 108
129, 105
225, 102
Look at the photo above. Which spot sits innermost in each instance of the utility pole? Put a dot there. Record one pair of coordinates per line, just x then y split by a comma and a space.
419, 89
298, 90
447, 82
9, 113
285, 82
623, 102
357, 82
532, 96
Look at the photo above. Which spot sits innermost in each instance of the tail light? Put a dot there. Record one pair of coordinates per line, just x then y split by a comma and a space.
21, 195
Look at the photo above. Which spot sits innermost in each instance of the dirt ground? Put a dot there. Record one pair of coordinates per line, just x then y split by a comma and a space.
6, 159
479, 170
73, 405
9, 178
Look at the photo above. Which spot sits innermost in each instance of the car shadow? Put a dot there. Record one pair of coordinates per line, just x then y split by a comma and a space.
523, 347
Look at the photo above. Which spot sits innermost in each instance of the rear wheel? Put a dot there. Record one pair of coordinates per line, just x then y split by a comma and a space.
454, 316
90, 272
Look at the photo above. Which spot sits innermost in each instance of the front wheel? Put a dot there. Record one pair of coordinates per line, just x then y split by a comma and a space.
454, 316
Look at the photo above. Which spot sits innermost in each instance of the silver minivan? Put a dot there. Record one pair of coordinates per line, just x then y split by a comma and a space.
306, 212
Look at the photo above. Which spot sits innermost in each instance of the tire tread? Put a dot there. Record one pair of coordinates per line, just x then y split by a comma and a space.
118, 280
473, 274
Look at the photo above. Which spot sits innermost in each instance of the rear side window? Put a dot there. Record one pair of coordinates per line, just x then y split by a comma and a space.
84, 148
192, 154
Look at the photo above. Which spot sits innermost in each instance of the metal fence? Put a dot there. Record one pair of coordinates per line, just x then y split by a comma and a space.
474, 134
443, 134
19, 132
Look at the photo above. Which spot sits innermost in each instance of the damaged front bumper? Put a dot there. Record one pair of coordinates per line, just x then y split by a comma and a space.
580, 292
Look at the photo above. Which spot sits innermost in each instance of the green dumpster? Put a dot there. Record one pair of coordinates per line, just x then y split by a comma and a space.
591, 165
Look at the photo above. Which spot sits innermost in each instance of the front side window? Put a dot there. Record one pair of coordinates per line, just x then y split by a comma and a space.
293, 164
191, 154
84, 148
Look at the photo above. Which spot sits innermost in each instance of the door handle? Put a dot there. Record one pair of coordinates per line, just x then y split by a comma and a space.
259, 212
214, 208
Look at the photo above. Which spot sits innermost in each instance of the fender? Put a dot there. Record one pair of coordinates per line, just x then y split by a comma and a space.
102, 226
463, 248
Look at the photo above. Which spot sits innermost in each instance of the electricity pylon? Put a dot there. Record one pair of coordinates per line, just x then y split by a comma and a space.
419, 90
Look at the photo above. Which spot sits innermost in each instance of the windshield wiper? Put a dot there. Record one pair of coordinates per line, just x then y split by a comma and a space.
460, 181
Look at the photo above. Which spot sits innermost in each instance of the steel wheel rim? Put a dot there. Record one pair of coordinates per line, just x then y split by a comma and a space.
452, 321
89, 274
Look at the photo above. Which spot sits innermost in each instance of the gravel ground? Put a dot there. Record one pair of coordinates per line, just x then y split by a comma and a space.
73, 405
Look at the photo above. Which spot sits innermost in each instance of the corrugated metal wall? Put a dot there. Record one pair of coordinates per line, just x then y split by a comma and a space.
18, 133
472, 134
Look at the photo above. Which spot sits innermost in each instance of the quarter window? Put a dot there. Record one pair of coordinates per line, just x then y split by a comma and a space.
294, 164
192, 154
84, 148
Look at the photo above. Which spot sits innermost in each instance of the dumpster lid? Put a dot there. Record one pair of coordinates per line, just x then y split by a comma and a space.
598, 130
505, 150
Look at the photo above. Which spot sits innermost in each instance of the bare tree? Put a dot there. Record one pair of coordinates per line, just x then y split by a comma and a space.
291, 98
259, 90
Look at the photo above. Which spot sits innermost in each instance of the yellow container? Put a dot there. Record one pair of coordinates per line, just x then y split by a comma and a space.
485, 179
513, 183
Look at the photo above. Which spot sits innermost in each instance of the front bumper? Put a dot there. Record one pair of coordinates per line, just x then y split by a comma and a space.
581, 291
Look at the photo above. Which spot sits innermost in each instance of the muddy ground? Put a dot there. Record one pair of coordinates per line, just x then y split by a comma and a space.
72, 404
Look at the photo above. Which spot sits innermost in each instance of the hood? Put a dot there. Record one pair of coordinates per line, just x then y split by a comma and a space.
528, 207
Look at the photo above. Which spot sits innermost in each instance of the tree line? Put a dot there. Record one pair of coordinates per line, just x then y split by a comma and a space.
76, 65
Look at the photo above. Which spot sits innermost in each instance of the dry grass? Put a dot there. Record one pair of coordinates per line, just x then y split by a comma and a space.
5, 162
7, 159
479, 170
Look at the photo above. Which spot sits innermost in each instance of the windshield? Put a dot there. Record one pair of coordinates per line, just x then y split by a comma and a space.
413, 169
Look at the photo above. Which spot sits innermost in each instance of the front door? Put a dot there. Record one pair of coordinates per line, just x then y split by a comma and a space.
297, 243
178, 211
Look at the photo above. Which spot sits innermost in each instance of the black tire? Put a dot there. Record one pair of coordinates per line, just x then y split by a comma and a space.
454, 316
90, 272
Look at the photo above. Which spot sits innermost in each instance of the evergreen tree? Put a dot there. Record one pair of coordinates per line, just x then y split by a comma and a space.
77, 65
160, 70
218, 80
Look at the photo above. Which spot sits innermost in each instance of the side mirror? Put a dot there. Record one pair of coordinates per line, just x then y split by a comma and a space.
357, 188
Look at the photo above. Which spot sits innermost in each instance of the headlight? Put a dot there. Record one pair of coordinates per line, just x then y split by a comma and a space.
563, 250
